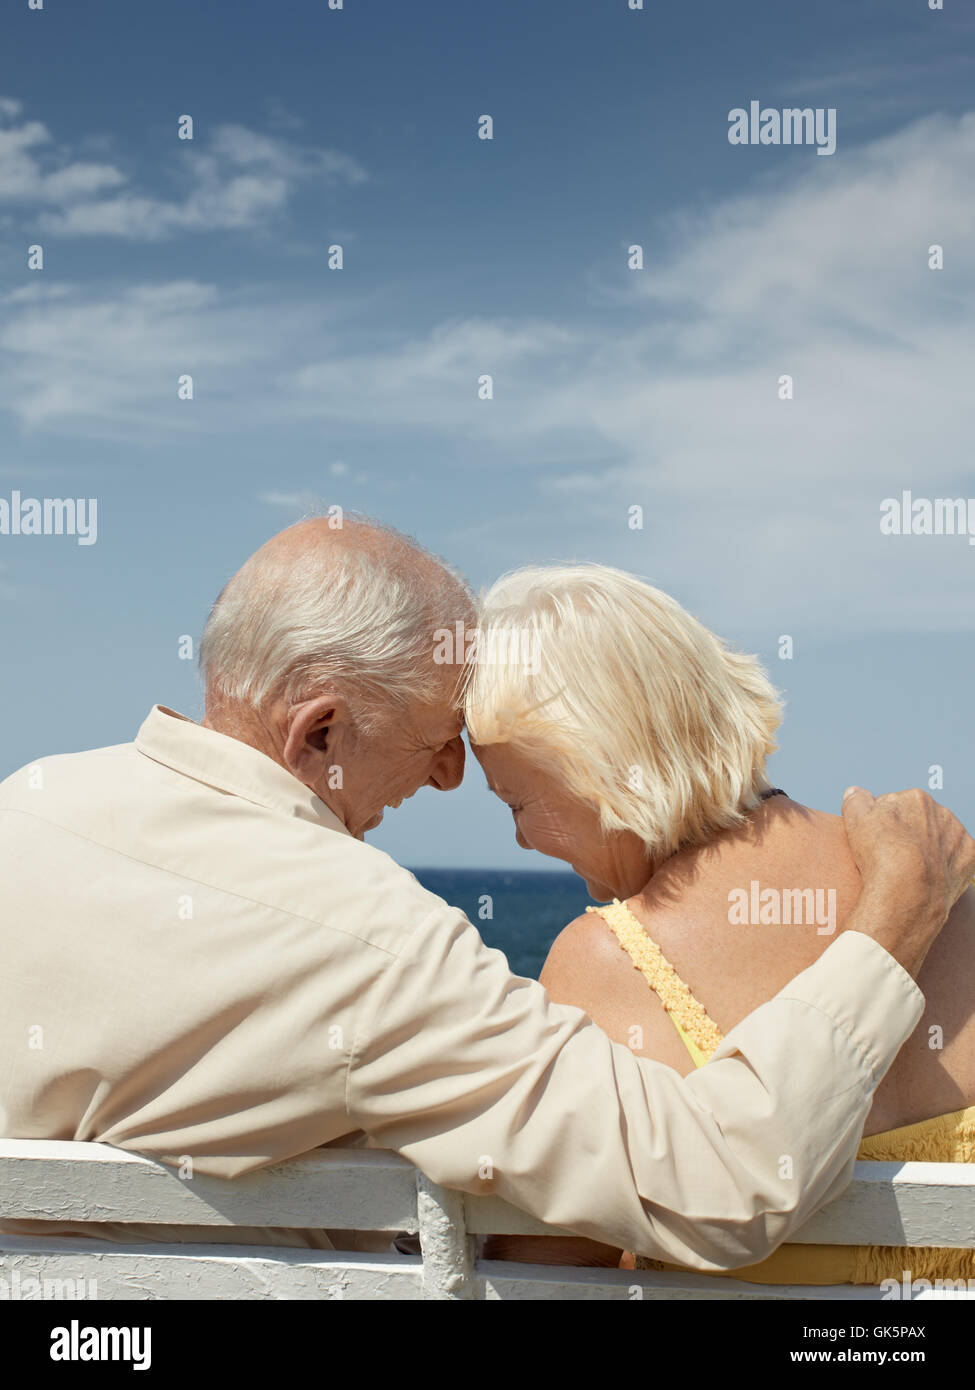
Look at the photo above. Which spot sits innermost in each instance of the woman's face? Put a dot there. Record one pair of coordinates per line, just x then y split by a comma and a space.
552, 820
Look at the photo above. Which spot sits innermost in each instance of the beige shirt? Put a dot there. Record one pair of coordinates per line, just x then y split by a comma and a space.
199, 960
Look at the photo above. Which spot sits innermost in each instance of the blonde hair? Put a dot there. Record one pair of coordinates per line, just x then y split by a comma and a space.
645, 713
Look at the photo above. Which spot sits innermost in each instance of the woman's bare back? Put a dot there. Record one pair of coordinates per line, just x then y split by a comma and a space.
740, 918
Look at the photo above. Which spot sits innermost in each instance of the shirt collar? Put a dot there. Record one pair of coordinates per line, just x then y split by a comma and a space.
229, 765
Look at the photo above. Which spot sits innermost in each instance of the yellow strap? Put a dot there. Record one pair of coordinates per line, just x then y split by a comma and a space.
697, 1056
698, 1031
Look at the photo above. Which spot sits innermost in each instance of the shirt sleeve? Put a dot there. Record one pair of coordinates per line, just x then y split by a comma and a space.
489, 1087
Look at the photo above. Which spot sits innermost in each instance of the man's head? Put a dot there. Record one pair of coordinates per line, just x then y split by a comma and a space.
321, 653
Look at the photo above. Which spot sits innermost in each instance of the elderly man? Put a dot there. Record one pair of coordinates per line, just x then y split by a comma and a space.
204, 961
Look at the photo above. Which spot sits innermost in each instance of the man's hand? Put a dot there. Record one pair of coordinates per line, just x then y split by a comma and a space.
916, 859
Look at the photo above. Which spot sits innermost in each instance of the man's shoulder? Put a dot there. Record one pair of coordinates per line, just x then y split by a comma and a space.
44, 784
114, 804
31, 776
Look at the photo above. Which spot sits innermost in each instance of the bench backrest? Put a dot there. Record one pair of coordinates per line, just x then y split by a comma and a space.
919, 1204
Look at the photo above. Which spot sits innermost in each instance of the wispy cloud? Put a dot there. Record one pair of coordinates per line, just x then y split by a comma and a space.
901, 73
889, 80
36, 292
34, 171
235, 178
435, 382
280, 117
307, 502
769, 505
291, 501
108, 363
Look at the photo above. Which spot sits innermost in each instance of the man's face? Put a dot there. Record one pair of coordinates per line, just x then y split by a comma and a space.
405, 750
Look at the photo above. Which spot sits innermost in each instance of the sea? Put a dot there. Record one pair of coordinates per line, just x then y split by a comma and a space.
517, 911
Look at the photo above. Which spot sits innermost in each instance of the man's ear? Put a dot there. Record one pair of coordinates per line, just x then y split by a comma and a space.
313, 732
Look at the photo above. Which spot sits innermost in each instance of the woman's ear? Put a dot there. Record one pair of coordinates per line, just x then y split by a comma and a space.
314, 728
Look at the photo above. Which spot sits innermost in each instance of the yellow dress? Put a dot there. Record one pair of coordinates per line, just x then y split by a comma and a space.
941, 1139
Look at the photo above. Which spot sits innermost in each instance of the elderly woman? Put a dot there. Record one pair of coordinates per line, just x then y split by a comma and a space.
632, 745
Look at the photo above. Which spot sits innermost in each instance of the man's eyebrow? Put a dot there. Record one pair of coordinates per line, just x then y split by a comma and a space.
448, 735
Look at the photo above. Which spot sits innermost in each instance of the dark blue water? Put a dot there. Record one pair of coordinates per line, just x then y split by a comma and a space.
528, 908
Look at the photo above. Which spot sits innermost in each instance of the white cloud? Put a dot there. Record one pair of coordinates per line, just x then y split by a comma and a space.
233, 204
290, 500
280, 117
247, 148
24, 153
841, 249
109, 364
299, 504
577, 483
35, 291
236, 179
752, 504
433, 382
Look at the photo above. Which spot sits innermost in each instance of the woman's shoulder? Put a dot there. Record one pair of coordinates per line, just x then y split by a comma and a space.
740, 917
587, 943
588, 967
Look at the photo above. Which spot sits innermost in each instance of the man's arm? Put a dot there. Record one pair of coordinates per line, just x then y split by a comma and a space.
489, 1087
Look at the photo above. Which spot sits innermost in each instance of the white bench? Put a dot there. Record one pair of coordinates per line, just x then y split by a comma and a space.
922, 1204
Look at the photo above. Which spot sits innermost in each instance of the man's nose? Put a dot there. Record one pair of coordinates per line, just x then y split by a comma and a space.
448, 766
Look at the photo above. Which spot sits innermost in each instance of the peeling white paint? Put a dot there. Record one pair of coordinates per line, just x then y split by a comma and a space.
921, 1204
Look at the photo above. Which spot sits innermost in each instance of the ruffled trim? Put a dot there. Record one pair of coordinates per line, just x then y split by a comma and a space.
942, 1139
661, 976
877, 1263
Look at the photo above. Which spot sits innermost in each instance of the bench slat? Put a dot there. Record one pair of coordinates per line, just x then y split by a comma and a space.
920, 1204
886, 1204
345, 1189
202, 1272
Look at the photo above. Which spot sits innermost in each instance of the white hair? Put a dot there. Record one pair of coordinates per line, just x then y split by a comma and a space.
630, 701
288, 623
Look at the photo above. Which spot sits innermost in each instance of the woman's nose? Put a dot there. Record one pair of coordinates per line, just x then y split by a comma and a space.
448, 766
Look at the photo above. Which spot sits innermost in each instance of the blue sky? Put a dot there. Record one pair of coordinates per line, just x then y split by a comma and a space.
613, 387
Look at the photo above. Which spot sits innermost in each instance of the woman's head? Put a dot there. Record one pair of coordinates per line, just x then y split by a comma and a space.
596, 701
